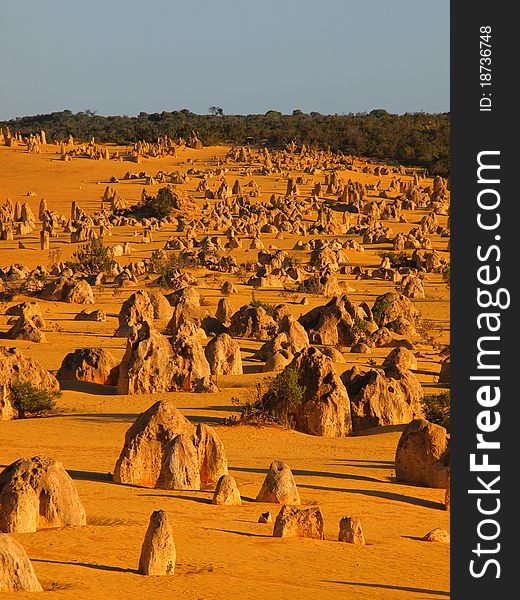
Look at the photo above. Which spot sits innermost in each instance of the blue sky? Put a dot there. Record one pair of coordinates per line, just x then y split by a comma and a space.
128, 56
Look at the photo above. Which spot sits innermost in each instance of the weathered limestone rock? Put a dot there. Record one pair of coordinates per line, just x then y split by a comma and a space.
180, 469
388, 307
437, 535
325, 408
95, 365
223, 355
152, 363
37, 493
186, 311
135, 310
228, 288
158, 550
444, 375
26, 329
402, 358
28, 310
95, 315
422, 455
378, 398
146, 442
299, 522
412, 287
278, 361
69, 290
212, 456
227, 492
279, 486
333, 323
147, 365
190, 369
350, 531
265, 517
224, 311
291, 337
16, 571
252, 322
162, 309
164, 450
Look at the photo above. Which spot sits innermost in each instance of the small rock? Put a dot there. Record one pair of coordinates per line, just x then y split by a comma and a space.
158, 550
227, 492
299, 522
437, 535
350, 531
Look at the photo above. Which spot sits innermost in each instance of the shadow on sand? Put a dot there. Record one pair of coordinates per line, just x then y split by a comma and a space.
380, 494
83, 564
400, 588
90, 476
303, 473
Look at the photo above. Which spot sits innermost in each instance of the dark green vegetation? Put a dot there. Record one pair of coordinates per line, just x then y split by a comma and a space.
419, 139
272, 403
28, 399
436, 409
92, 258
160, 206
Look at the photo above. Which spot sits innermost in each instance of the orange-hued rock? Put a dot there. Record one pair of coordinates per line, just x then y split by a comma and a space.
16, 571
227, 492
350, 531
95, 365
325, 407
422, 455
158, 551
383, 397
293, 521
134, 311
279, 486
223, 355
146, 442
163, 449
37, 493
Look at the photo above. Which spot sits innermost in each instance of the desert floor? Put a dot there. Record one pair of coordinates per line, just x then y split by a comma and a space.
222, 552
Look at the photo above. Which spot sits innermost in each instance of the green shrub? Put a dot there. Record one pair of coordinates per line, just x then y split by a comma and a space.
93, 258
379, 308
158, 207
29, 399
269, 308
436, 409
274, 402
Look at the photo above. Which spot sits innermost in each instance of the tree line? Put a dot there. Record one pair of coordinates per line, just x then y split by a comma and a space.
413, 139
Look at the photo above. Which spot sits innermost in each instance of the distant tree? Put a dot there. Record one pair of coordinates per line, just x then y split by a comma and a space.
379, 112
413, 139
216, 111
93, 257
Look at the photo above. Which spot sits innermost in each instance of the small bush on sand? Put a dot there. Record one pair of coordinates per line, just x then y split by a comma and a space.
157, 207
29, 399
436, 409
269, 308
93, 258
271, 402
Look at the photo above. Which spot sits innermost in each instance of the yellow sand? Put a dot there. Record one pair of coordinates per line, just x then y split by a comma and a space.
222, 552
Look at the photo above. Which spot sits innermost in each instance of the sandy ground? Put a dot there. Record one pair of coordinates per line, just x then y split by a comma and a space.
221, 551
